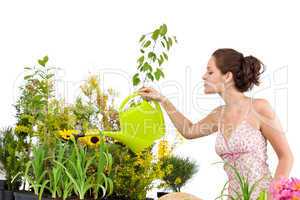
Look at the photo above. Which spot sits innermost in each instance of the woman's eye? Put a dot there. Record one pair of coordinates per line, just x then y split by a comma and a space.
209, 72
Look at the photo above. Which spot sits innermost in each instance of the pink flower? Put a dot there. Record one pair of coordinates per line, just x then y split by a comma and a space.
285, 189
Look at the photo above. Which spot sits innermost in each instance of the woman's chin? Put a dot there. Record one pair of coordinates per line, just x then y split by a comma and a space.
208, 91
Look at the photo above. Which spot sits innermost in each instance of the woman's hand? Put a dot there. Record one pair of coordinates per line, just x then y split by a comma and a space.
150, 94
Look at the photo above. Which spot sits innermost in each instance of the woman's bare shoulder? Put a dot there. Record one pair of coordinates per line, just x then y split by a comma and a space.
263, 107
216, 112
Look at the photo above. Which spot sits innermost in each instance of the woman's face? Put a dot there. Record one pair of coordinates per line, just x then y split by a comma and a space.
213, 78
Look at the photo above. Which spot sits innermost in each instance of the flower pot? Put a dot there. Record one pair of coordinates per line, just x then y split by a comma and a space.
2, 184
160, 194
7, 195
27, 196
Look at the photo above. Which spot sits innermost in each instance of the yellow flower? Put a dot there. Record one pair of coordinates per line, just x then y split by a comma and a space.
67, 134
178, 180
169, 169
163, 149
22, 129
91, 138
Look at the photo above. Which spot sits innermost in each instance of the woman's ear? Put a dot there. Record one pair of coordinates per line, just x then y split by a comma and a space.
228, 77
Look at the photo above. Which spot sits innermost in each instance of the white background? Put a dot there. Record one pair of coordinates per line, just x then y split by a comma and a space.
84, 37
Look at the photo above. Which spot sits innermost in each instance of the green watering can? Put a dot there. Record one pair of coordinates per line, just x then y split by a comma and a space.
141, 124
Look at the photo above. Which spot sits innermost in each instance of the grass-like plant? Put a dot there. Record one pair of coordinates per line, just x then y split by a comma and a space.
246, 188
56, 174
77, 167
35, 172
76, 170
103, 161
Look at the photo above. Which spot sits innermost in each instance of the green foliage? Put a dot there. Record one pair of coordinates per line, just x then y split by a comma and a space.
246, 188
72, 170
12, 163
88, 170
132, 174
103, 165
154, 49
56, 174
33, 152
177, 171
76, 170
61, 169
35, 172
34, 118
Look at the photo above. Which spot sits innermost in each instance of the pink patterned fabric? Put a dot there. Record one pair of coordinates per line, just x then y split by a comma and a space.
246, 150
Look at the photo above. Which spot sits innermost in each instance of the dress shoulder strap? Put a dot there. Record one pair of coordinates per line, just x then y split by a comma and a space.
249, 108
220, 118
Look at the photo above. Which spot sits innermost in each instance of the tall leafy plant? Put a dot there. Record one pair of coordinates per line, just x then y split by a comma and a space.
154, 49
32, 107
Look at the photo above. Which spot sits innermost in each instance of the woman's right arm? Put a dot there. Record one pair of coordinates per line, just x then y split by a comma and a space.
187, 129
190, 130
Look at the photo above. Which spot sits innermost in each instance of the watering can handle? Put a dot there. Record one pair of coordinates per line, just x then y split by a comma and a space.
125, 101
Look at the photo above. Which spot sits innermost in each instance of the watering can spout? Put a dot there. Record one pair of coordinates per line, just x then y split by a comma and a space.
117, 135
141, 124
134, 143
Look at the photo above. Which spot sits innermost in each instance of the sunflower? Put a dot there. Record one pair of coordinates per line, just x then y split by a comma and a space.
91, 138
67, 134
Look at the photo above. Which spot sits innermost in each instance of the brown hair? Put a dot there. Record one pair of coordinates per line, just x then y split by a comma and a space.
245, 70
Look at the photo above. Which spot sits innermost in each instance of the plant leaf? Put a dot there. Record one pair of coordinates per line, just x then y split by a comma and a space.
136, 80
158, 73
163, 29
141, 60
155, 34
147, 44
165, 55
142, 38
150, 76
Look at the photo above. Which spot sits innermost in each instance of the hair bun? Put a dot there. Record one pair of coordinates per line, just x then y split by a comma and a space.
251, 67
246, 70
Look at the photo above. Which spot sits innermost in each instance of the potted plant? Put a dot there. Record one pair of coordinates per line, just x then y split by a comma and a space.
11, 161
132, 174
40, 116
52, 168
35, 175
178, 171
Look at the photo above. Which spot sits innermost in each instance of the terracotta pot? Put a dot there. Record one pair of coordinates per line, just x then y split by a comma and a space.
179, 196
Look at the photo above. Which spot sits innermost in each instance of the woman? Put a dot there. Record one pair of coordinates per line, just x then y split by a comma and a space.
243, 125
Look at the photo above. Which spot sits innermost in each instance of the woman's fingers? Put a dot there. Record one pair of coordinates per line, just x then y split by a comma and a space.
144, 94
142, 89
146, 88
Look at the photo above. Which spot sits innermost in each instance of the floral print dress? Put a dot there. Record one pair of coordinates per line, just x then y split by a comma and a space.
246, 150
